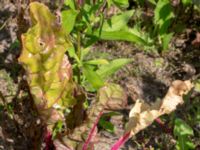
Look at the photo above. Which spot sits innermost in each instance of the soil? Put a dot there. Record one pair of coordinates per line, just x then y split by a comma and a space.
147, 77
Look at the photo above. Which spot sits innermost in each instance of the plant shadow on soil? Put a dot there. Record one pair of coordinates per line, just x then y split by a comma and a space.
20, 126
19, 123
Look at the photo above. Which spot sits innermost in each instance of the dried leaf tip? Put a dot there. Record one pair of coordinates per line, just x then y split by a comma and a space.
142, 114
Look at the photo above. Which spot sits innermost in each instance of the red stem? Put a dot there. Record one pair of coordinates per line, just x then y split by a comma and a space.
126, 136
48, 140
121, 141
160, 122
91, 132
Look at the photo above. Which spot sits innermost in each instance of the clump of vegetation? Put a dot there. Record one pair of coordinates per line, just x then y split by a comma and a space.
61, 77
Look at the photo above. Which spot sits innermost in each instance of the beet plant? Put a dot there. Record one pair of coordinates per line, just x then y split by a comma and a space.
50, 79
59, 75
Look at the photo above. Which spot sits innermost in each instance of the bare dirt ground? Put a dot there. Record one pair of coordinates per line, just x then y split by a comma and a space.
147, 77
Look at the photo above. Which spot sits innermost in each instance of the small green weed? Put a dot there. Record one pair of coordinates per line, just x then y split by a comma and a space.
183, 131
87, 26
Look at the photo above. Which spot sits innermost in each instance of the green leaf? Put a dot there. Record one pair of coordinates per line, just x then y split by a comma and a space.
197, 85
97, 62
181, 128
109, 2
68, 19
85, 52
106, 125
163, 14
89, 13
164, 27
117, 22
184, 143
93, 78
110, 114
183, 131
107, 70
15, 44
163, 11
152, 2
121, 3
197, 116
70, 3
57, 128
166, 39
186, 2
121, 35
72, 54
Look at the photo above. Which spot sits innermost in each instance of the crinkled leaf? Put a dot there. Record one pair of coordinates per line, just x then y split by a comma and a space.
112, 96
49, 73
143, 114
